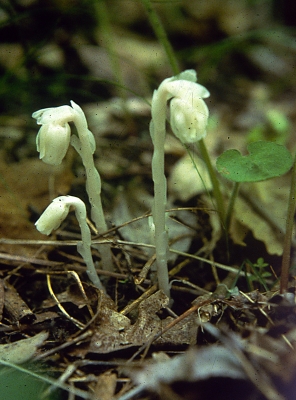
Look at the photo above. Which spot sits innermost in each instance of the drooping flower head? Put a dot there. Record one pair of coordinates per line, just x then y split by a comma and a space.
188, 111
53, 138
54, 215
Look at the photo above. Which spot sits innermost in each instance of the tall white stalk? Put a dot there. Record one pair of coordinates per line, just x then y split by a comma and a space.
93, 180
188, 119
157, 132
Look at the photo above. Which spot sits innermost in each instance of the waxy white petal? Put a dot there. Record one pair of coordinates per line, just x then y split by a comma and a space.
53, 216
52, 142
54, 115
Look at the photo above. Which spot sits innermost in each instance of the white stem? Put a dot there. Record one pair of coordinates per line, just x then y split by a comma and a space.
93, 183
158, 131
188, 119
84, 247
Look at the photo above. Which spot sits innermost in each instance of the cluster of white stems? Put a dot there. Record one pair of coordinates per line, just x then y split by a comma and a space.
188, 116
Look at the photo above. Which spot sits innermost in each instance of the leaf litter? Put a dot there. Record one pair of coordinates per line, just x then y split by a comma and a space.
253, 344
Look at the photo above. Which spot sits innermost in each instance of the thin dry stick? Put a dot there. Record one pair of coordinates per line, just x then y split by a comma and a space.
84, 336
72, 319
81, 288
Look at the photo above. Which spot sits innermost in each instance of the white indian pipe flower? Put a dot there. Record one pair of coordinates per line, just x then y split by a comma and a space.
56, 115
53, 138
188, 112
53, 142
52, 218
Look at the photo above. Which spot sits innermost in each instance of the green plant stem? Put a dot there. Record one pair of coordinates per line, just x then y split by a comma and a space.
231, 204
161, 35
54, 383
289, 231
216, 187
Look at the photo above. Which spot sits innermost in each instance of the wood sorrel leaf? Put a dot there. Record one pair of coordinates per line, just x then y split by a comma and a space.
265, 160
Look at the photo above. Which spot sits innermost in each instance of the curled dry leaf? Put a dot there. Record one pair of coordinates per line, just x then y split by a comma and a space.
216, 361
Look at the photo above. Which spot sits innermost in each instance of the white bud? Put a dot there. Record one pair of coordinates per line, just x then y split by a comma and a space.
54, 215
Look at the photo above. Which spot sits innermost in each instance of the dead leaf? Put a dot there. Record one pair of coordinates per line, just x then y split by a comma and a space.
272, 195
189, 178
16, 307
22, 350
216, 361
105, 386
25, 184
134, 202
115, 331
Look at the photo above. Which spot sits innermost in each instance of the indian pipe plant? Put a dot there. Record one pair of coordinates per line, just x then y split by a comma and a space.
182, 99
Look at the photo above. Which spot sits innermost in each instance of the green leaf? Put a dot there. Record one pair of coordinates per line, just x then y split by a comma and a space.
265, 160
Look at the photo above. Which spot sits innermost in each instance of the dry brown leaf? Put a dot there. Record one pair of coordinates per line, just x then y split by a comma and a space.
105, 386
22, 350
25, 184
133, 202
17, 309
115, 331
273, 198
188, 179
194, 365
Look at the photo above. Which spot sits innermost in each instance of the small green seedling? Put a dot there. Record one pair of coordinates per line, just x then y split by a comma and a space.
255, 273
259, 273
266, 160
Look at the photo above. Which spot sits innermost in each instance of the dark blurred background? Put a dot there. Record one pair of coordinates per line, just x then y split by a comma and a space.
53, 51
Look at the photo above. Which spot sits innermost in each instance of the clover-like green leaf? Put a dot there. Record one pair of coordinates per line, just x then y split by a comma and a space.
265, 160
